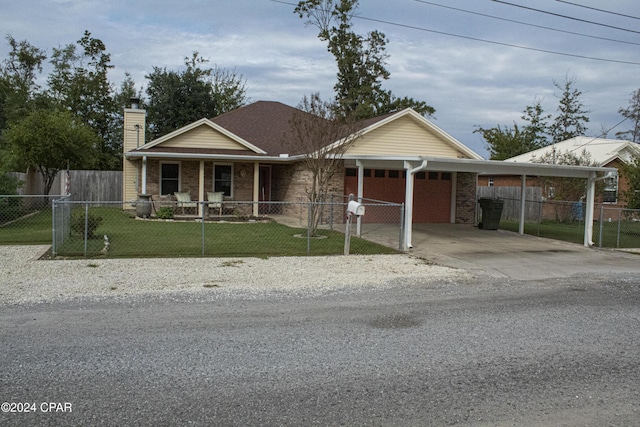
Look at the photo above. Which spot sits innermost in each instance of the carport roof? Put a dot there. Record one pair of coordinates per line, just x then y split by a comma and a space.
483, 167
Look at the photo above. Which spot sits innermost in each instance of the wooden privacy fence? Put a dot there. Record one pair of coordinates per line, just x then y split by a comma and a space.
85, 185
511, 197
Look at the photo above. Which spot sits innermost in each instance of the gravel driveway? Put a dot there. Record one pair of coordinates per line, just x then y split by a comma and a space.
25, 279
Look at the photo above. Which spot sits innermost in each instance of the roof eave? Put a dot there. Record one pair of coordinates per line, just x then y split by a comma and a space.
199, 156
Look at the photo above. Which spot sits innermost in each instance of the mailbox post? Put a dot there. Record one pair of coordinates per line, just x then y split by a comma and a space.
354, 208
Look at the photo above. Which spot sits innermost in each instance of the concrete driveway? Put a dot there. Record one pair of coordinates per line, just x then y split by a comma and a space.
499, 253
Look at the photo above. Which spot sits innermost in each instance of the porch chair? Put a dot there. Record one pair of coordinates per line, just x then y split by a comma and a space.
215, 200
184, 201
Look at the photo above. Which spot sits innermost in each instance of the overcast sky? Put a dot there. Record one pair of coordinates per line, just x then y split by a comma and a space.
435, 52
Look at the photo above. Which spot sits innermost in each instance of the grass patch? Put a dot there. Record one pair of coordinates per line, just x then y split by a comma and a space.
629, 236
34, 229
130, 237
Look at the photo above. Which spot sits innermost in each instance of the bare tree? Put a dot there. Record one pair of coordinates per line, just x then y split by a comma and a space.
321, 137
632, 113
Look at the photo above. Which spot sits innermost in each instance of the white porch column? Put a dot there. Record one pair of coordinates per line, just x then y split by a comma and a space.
144, 175
588, 217
201, 189
256, 188
523, 193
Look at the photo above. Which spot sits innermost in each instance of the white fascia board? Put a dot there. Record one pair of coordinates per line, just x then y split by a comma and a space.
194, 125
496, 167
200, 156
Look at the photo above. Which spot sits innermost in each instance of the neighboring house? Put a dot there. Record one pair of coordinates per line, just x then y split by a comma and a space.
243, 154
602, 152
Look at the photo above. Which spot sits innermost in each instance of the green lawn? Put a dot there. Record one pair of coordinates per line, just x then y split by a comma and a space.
34, 229
130, 237
629, 236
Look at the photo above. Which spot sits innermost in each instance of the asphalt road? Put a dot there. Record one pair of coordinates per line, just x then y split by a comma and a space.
483, 352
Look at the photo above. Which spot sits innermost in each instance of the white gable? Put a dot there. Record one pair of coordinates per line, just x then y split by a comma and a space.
601, 150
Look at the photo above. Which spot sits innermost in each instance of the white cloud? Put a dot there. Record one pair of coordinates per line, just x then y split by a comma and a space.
468, 82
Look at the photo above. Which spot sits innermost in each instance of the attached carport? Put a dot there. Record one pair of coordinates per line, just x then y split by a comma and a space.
484, 167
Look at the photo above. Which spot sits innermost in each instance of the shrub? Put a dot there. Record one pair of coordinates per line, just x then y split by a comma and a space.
78, 223
164, 212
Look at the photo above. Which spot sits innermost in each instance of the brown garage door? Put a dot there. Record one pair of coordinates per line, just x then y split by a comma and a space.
431, 198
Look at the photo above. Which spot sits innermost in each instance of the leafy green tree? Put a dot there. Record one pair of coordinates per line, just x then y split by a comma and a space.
632, 113
49, 140
18, 75
537, 127
177, 98
505, 142
631, 171
361, 61
567, 189
80, 85
572, 118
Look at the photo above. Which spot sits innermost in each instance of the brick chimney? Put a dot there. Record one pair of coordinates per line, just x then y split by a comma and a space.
134, 137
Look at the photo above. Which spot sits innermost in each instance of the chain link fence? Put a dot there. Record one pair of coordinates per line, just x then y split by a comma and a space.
613, 227
171, 229
26, 219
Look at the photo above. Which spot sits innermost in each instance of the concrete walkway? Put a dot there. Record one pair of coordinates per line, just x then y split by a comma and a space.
499, 253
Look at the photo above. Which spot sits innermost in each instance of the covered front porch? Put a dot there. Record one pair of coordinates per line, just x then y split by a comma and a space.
246, 181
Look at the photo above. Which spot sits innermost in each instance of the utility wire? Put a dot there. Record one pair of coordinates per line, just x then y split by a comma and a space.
495, 42
480, 40
601, 135
526, 23
599, 10
566, 17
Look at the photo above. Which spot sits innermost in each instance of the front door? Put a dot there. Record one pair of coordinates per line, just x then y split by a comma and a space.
265, 189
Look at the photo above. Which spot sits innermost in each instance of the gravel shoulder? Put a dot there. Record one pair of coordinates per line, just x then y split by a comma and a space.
25, 279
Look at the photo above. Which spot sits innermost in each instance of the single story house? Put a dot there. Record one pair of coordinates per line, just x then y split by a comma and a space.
400, 156
611, 153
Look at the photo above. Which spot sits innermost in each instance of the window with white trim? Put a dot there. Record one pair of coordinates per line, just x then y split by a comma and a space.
169, 178
223, 179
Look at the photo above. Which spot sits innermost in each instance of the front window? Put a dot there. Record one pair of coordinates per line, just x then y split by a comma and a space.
223, 179
610, 196
169, 178
610, 193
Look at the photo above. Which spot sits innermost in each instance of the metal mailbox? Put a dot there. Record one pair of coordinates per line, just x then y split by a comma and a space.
355, 208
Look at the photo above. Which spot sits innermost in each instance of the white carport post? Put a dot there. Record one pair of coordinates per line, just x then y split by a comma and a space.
523, 192
588, 217
408, 201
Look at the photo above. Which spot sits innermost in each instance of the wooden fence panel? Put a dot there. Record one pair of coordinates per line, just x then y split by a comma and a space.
85, 185
511, 197
89, 185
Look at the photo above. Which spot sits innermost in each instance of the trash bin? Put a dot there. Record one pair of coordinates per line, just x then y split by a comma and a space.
491, 213
143, 206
